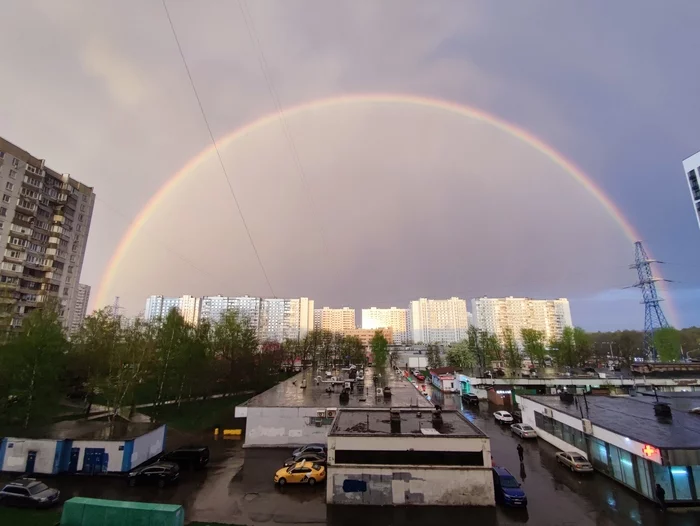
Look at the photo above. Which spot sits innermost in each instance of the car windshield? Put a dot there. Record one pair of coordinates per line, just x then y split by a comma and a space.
509, 482
579, 459
38, 488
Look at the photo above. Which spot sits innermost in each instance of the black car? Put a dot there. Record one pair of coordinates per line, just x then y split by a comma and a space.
28, 493
470, 399
160, 473
189, 457
316, 458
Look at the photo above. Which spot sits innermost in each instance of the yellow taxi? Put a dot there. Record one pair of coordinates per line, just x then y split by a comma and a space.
301, 473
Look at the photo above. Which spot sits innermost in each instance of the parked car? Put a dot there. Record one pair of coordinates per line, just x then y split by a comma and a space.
159, 473
523, 431
316, 458
503, 417
420, 377
28, 493
470, 399
301, 473
507, 488
574, 461
188, 457
310, 448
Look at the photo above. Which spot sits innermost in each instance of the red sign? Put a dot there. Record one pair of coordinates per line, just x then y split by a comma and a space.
649, 451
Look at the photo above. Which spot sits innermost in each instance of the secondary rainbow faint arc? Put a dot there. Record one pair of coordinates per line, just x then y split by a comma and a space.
371, 98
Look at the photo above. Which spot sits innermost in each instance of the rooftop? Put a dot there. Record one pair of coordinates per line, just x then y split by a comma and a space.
290, 393
634, 418
88, 430
414, 422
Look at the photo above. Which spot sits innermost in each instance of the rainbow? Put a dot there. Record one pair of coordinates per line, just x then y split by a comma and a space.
373, 98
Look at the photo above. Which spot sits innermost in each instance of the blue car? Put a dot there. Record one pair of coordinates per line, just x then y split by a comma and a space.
507, 488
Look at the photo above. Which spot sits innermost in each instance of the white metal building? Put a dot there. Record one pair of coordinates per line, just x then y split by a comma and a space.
86, 451
406, 456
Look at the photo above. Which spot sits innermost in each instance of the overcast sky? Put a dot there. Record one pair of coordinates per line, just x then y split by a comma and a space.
370, 204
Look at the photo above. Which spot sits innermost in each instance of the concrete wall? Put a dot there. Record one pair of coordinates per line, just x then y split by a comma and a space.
147, 446
16, 450
418, 443
410, 485
283, 426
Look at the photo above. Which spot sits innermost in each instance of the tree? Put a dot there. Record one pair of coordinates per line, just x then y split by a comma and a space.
667, 342
564, 348
33, 363
534, 345
627, 346
476, 349
514, 359
460, 356
433, 355
354, 351
582, 344
491, 346
235, 343
380, 351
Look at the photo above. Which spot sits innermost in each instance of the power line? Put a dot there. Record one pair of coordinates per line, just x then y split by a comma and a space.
264, 68
216, 148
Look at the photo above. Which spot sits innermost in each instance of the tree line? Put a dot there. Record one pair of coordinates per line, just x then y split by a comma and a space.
119, 363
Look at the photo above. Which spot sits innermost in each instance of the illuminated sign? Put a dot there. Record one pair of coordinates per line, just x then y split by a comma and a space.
649, 451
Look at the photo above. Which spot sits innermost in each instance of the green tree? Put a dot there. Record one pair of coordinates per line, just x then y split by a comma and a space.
583, 346
628, 346
667, 342
33, 362
477, 349
564, 348
460, 356
354, 351
433, 355
513, 358
235, 343
491, 346
534, 345
380, 350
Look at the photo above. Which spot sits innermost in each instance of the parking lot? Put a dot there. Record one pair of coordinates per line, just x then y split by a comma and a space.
237, 488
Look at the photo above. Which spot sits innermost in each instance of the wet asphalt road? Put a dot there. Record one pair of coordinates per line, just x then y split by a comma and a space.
237, 488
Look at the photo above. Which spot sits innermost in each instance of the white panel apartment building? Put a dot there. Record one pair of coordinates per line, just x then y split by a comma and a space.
495, 314
45, 219
438, 321
392, 318
80, 305
334, 320
273, 319
691, 166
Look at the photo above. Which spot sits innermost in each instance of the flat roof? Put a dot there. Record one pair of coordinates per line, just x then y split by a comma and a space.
87, 430
632, 417
414, 422
290, 393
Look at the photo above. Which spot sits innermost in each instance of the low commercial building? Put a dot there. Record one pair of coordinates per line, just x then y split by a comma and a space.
300, 410
83, 447
630, 439
444, 379
407, 456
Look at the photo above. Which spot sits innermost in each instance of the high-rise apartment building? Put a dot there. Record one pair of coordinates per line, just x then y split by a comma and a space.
438, 321
691, 166
45, 219
273, 319
79, 309
392, 318
334, 320
495, 314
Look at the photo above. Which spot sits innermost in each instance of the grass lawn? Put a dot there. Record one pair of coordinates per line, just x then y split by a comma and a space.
200, 415
25, 517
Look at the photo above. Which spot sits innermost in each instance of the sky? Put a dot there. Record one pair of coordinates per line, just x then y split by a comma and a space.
369, 204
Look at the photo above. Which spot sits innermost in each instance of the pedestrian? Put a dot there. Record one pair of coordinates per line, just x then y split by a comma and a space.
520, 452
661, 496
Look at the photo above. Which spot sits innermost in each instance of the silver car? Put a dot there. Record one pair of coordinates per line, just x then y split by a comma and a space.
574, 461
523, 431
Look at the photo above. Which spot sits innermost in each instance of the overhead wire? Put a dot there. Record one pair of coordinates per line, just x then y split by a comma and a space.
264, 68
216, 149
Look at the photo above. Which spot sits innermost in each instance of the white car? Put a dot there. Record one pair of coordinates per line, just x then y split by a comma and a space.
523, 431
503, 417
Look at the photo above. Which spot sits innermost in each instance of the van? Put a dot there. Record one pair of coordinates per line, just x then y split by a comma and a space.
189, 457
507, 488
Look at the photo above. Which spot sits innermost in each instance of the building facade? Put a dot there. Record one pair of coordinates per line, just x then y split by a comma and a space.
691, 167
273, 319
365, 335
496, 314
438, 321
45, 219
334, 320
79, 309
392, 318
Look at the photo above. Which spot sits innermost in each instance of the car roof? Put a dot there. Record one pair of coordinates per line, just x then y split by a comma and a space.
191, 448
502, 472
23, 483
314, 445
159, 464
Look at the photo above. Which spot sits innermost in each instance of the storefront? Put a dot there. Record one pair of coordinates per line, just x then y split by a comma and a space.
659, 453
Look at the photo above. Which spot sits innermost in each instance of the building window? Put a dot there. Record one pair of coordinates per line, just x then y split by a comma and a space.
13, 174
3, 211
6, 198
15, 162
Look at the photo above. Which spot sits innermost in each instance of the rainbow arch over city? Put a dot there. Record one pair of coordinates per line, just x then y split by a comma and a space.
362, 99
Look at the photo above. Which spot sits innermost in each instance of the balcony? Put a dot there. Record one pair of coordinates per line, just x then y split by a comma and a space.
21, 231
25, 206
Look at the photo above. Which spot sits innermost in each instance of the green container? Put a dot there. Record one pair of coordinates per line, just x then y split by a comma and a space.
80, 511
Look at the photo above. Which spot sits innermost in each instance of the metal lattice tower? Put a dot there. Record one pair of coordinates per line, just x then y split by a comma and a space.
654, 318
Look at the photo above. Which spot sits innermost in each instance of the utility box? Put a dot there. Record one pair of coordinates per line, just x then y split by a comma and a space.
80, 511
